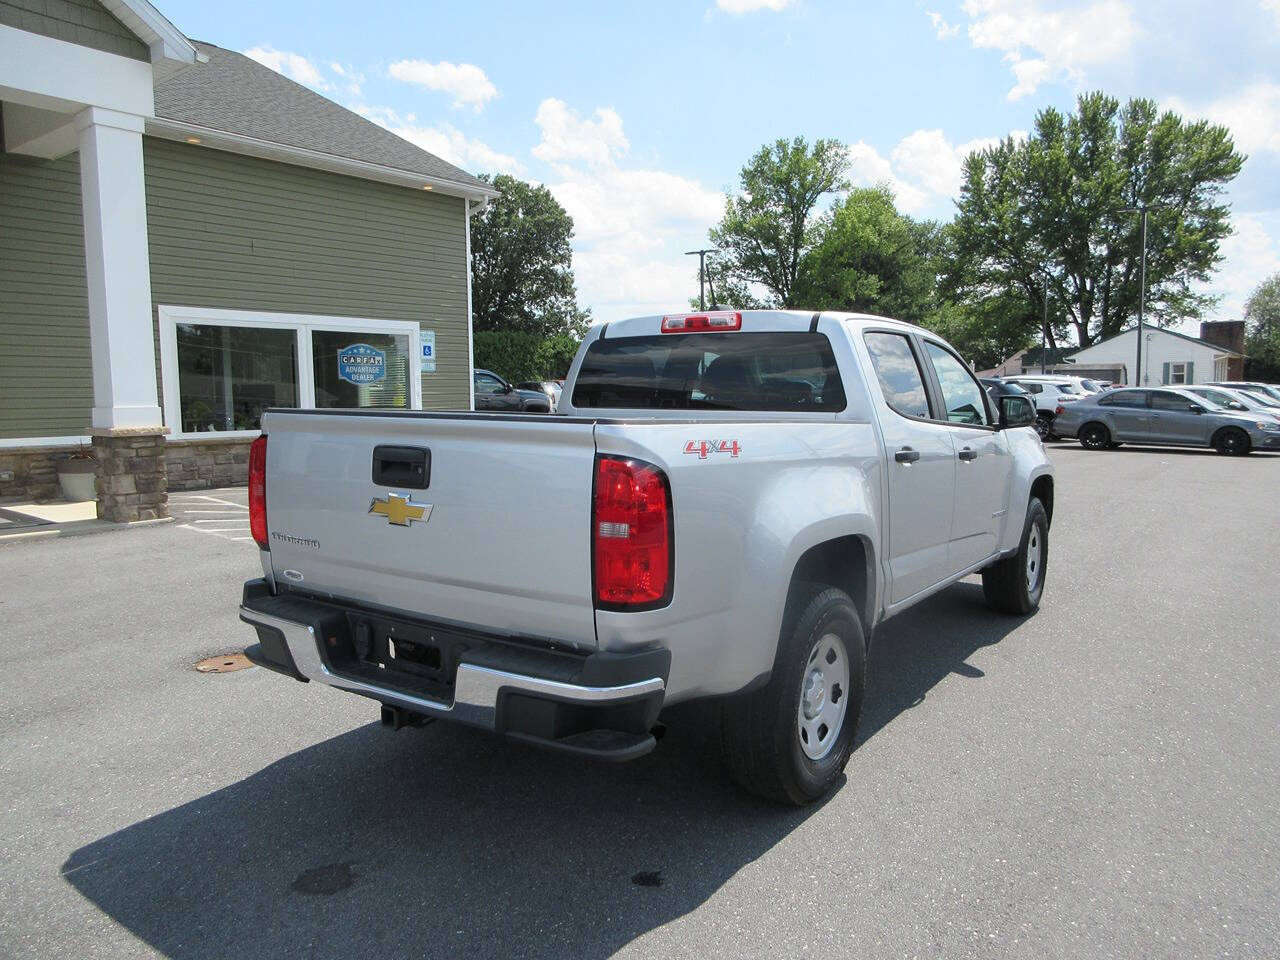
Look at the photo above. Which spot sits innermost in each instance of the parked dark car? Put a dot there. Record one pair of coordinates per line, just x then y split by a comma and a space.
495, 395
551, 388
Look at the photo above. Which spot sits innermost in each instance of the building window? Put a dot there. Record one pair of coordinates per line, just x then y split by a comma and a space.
228, 375
1177, 373
220, 369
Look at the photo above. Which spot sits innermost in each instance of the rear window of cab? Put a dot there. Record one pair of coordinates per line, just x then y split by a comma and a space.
762, 372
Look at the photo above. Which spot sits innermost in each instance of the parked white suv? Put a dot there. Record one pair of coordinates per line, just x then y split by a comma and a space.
1048, 394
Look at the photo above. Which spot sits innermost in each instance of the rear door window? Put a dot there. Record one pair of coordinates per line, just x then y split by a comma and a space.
764, 372
901, 380
1125, 398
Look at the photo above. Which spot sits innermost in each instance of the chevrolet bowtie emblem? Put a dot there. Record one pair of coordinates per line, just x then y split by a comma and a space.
399, 510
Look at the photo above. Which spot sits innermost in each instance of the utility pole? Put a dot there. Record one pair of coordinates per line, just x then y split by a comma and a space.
1142, 290
702, 272
1142, 298
1044, 328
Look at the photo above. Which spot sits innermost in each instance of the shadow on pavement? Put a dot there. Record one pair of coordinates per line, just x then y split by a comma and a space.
450, 842
1151, 449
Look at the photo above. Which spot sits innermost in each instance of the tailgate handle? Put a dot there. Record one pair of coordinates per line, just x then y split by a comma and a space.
408, 467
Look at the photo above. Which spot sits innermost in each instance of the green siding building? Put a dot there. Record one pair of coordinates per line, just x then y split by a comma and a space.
188, 238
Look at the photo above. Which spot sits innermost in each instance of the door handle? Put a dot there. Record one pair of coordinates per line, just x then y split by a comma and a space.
968, 454
407, 467
907, 455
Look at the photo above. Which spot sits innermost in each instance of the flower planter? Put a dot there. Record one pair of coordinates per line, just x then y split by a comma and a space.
76, 477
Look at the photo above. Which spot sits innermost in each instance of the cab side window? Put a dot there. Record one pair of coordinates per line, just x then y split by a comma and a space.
901, 379
960, 391
487, 384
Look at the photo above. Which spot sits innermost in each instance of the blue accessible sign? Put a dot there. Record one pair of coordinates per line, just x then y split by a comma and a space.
361, 363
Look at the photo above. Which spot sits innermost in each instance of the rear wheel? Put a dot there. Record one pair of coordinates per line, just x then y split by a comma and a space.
1094, 436
1015, 585
1232, 442
789, 741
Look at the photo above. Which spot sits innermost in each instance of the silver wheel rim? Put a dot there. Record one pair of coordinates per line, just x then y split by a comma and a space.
824, 695
1035, 558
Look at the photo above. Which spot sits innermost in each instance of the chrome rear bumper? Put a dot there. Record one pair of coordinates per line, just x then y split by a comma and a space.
477, 689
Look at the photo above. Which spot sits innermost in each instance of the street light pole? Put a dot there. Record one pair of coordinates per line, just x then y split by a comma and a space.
1044, 328
702, 271
1142, 300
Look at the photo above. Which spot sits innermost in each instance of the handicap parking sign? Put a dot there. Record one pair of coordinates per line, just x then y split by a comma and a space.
362, 364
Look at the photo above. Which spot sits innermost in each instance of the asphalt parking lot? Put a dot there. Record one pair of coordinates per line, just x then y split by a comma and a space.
1096, 781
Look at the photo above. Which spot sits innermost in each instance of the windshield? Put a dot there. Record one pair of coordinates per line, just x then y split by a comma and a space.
1093, 386
1070, 388
1262, 398
712, 371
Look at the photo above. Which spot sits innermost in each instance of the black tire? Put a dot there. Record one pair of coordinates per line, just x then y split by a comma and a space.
1094, 436
1044, 426
761, 730
1007, 584
1232, 442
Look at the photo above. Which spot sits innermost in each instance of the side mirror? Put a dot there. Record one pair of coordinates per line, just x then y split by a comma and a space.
1016, 411
507, 388
1195, 408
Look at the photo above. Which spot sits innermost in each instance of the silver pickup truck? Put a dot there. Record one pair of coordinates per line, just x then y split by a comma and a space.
724, 505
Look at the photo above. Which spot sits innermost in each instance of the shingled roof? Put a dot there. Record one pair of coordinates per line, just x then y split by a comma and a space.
235, 95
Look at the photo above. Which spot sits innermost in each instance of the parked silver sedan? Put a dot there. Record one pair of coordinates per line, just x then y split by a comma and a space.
1165, 416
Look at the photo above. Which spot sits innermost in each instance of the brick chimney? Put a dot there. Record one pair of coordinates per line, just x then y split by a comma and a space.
1224, 333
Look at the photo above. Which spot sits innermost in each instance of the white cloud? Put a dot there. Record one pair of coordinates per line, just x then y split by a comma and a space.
1273, 7
292, 65
750, 6
465, 81
444, 141
944, 30
868, 168
1250, 255
567, 137
1041, 44
1252, 114
631, 225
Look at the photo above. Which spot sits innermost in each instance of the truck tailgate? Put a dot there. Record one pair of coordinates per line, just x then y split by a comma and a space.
505, 545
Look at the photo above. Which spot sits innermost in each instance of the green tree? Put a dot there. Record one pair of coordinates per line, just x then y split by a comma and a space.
1262, 331
1061, 201
870, 258
769, 227
522, 263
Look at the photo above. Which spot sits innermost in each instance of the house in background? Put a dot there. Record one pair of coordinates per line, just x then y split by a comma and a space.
1169, 357
188, 238
1028, 361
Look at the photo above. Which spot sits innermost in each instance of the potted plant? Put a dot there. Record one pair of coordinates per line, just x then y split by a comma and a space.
76, 476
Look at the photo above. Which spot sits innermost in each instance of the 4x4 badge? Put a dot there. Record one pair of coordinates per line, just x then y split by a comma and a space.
400, 510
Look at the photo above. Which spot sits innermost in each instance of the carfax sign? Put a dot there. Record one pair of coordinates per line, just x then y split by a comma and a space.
362, 364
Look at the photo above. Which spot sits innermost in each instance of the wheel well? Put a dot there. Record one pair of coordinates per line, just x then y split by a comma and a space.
1221, 430
1042, 490
846, 563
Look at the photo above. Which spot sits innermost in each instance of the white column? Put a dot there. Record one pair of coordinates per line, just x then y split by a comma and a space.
118, 270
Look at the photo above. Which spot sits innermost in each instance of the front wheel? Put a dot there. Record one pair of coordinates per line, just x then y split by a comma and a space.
1044, 426
1232, 442
789, 741
1016, 584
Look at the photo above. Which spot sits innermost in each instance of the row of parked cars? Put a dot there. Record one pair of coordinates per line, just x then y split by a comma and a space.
1233, 418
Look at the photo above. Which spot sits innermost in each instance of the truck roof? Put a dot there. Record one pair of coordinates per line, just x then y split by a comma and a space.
759, 320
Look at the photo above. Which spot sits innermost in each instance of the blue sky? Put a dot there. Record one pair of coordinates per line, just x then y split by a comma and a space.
639, 116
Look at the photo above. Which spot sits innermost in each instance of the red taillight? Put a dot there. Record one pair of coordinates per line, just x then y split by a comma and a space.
716, 321
631, 533
1059, 410
258, 492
